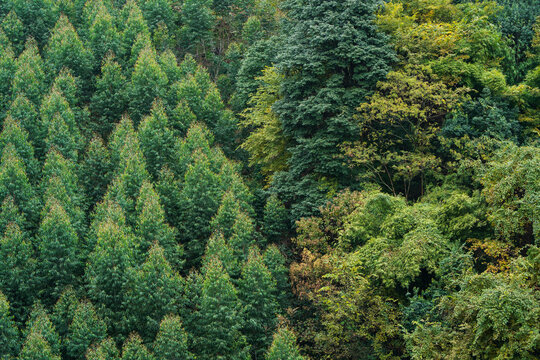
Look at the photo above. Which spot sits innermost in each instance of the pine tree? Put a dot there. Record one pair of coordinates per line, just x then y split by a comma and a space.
10, 214
14, 182
86, 329
218, 249
134, 24
148, 82
284, 346
106, 350
171, 340
59, 259
64, 311
95, 170
257, 292
332, 58
36, 347
9, 335
14, 30
24, 112
107, 273
68, 86
142, 41
196, 32
158, 142
154, 291
243, 236
276, 264
29, 77
226, 215
7, 68
61, 139
16, 269
217, 334
103, 36
65, 49
134, 349
13, 133
109, 101
275, 222
39, 323
151, 227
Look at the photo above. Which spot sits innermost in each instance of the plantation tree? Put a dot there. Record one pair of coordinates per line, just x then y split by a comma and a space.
105, 350
29, 77
64, 311
59, 259
332, 57
10, 214
13, 133
95, 170
109, 100
154, 291
9, 334
67, 85
158, 142
40, 324
218, 249
196, 32
36, 347
276, 220
103, 36
218, 321
257, 293
284, 346
134, 349
28, 12
7, 67
86, 329
243, 236
16, 268
14, 30
148, 81
276, 264
171, 340
226, 215
151, 227
133, 25
14, 182
24, 112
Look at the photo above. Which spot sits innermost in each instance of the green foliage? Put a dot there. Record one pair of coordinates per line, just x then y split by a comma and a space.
14, 30
47, 339
64, 311
28, 12
195, 34
9, 335
106, 350
218, 319
86, 329
134, 349
29, 77
276, 219
13, 133
95, 170
103, 37
171, 340
284, 346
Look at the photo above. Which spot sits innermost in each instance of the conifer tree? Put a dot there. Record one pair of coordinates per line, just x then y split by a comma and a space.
243, 236
9, 335
171, 340
327, 73
14, 30
156, 12
7, 68
148, 82
158, 142
218, 321
67, 85
16, 269
24, 112
284, 346
154, 291
151, 226
14, 182
61, 139
169, 189
64, 311
133, 25
103, 36
122, 140
257, 292
276, 264
275, 222
142, 41
10, 214
13, 133
169, 64
107, 273
226, 215
29, 77
218, 248
59, 258
36, 347
40, 323
196, 32
95, 170
29, 12
134, 349
86, 329
105, 350
65, 49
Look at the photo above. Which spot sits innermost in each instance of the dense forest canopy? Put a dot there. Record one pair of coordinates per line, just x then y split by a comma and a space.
269, 179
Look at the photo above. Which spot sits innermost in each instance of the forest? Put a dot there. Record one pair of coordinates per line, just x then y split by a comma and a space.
269, 179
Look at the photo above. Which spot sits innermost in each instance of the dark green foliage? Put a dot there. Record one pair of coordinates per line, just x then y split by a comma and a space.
38, 18
7, 67
106, 350
218, 320
13, 133
257, 292
95, 171
40, 329
86, 329
14, 30
134, 349
9, 335
24, 112
64, 311
284, 346
103, 37
29, 78
196, 32
276, 264
171, 340
332, 58
109, 101
276, 221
